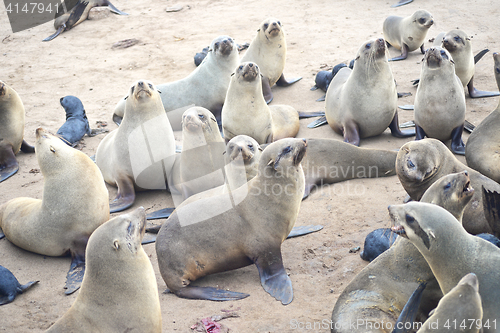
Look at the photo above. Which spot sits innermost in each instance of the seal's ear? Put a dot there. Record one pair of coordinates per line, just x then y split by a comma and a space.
232, 74
116, 244
258, 30
209, 50
52, 149
260, 148
158, 91
224, 152
125, 97
356, 58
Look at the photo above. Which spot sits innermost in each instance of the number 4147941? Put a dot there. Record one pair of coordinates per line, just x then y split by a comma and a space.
30, 8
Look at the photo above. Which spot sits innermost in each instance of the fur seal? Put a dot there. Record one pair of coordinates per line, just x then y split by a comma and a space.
438, 236
11, 131
440, 100
77, 124
141, 152
246, 112
461, 307
206, 86
268, 50
202, 239
460, 47
421, 163
380, 291
74, 202
119, 291
407, 33
331, 161
10, 287
77, 14
482, 151
362, 102
323, 79
376, 243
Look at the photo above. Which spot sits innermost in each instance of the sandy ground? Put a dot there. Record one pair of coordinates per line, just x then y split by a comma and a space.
81, 62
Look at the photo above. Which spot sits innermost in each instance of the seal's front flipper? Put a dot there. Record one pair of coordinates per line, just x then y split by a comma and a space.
96, 131
351, 133
318, 122
153, 228
117, 119
273, 276
457, 145
401, 3
114, 9
266, 90
419, 133
125, 197
76, 14
26, 147
404, 94
304, 230
75, 274
474, 93
321, 99
148, 238
57, 33
491, 206
311, 114
282, 82
409, 313
478, 56
8, 163
209, 293
404, 54
160, 214
396, 131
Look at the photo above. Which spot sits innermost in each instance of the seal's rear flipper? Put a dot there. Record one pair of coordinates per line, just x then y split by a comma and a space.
160, 214
148, 238
396, 131
318, 122
457, 145
401, 3
8, 163
117, 119
282, 82
321, 99
491, 206
26, 147
57, 33
478, 56
75, 275
266, 89
304, 230
209, 293
474, 93
468, 126
114, 9
273, 276
409, 312
96, 131
311, 114
351, 132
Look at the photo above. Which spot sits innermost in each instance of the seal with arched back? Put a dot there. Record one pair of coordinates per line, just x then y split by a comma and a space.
10, 287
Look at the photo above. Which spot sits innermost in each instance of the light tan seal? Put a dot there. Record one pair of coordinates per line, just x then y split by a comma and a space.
119, 291
74, 203
440, 100
211, 235
460, 47
452, 253
11, 131
362, 102
331, 161
206, 86
460, 308
482, 151
268, 50
141, 152
421, 163
245, 112
378, 294
407, 33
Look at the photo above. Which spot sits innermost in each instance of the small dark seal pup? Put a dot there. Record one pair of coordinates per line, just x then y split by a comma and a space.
10, 287
323, 79
376, 242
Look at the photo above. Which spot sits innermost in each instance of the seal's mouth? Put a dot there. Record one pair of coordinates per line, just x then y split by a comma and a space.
250, 72
433, 58
274, 31
380, 47
240, 153
399, 230
468, 190
448, 45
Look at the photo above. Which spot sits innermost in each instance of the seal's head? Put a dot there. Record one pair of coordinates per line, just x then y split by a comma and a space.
422, 19
243, 147
438, 58
282, 156
247, 72
271, 28
222, 46
455, 39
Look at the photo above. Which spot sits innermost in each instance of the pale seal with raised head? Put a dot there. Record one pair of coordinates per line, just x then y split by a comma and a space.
362, 102
119, 291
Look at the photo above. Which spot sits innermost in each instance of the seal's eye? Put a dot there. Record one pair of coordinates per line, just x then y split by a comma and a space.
447, 186
150, 85
286, 150
410, 164
368, 45
279, 23
443, 54
266, 26
422, 20
457, 38
409, 219
240, 68
250, 146
201, 116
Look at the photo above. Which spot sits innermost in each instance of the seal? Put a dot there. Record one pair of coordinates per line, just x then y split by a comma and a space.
10, 287
199, 166
331, 161
351, 113
72, 204
438, 237
323, 79
378, 293
124, 154
460, 47
268, 50
77, 124
119, 291
421, 163
460, 305
210, 236
481, 151
376, 243
440, 100
245, 112
206, 86
407, 33
11, 131
77, 14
